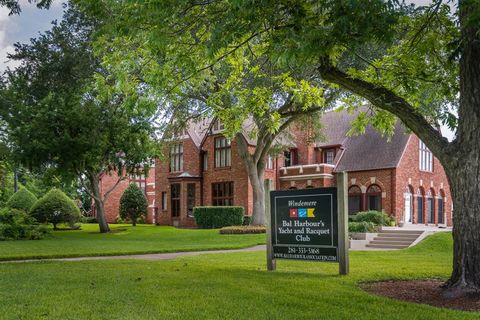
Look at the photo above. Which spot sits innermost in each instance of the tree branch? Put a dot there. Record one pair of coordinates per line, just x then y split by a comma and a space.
385, 99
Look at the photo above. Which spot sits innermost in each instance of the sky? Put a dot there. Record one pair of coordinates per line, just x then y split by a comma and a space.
31, 21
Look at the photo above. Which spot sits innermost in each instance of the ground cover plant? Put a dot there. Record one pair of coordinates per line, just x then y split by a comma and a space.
223, 286
125, 239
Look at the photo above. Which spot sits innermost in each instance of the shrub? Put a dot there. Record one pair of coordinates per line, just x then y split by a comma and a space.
362, 226
243, 230
89, 220
376, 217
22, 200
218, 217
16, 224
247, 220
56, 207
133, 204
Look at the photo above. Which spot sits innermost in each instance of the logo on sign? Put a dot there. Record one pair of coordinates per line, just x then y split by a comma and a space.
302, 213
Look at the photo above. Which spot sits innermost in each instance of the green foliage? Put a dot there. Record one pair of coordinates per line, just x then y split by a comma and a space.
362, 226
56, 207
16, 224
218, 217
133, 204
23, 199
247, 220
376, 217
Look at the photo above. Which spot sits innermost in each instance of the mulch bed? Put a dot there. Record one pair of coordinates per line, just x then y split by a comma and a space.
424, 292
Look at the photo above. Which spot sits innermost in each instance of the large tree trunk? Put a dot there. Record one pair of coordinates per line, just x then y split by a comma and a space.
464, 171
99, 205
256, 180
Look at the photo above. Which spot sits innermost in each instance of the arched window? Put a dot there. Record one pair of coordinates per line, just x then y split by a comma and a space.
408, 206
419, 206
430, 207
374, 198
440, 208
354, 200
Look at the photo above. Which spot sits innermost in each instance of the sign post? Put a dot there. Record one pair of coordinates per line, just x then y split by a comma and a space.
271, 264
309, 224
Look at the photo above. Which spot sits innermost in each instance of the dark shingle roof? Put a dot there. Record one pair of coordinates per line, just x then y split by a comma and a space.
366, 151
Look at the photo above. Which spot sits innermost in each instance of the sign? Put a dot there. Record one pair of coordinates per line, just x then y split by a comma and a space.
304, 224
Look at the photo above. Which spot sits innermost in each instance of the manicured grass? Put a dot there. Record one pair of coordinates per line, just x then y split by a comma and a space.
129, 240
222, 286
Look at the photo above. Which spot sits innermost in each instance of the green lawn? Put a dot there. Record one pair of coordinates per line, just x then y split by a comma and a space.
139, 239
222, 286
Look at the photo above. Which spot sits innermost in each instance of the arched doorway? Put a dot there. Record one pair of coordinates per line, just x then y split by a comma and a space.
430, 207
441, 208
419, 205
408, 205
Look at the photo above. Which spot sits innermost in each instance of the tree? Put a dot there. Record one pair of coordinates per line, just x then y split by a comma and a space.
133, 204
15, 7
330, 35
60, 114
245, 86
55, 207
23, 199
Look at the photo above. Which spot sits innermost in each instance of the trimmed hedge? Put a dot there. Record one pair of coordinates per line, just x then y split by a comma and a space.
22, 200
247, 220
362, 226
56, 207
218, 217
243, 230
376, 217
16, 224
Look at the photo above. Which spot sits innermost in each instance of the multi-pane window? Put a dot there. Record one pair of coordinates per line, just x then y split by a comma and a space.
176, 157
269, 162
175, 198
218, 126
223, 152
140, 181
329, 156
222, 194
190, 198
290, 157
205, 161
354, 200
374, 198
164, 201
425, 158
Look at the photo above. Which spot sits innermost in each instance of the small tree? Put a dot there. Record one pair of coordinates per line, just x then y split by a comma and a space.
55, 207
133, 204
23, 200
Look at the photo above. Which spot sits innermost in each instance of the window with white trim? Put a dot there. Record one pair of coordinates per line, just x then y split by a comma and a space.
425, 158
269, 162
223, 152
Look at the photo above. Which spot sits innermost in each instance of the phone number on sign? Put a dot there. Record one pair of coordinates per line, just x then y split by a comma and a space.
302, 250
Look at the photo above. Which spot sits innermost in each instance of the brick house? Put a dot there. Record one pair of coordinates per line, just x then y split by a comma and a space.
112, 204
400, 177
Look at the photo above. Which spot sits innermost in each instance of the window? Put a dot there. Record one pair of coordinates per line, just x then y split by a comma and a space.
269, 162
175, 189
164, 201
222, 194
205, 161
329, 156
374, 198
190, 198
176, 158
441, 210
223, 152
425, 158
140, 181
290, 158
354, 200
218, 126
419, 206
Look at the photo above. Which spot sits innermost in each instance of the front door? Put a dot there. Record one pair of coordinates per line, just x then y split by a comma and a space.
408, 208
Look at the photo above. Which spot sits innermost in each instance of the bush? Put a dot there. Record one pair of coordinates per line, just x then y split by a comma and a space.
22, 200
55, 207
16, 224
218, 217
133, 204
247, 220
362, 226
243, 230
376, 217
89, 220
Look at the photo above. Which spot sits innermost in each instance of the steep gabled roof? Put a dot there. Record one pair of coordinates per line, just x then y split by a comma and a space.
362, 152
